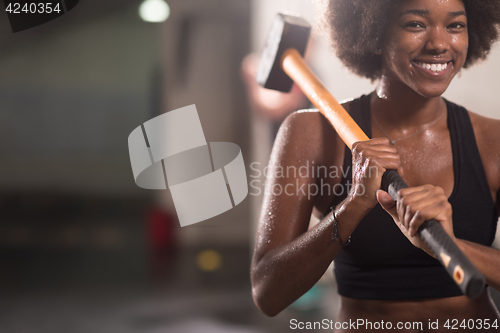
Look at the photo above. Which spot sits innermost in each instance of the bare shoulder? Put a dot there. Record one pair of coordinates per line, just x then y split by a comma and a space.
486, 130
308, 125
487, 133
307, 133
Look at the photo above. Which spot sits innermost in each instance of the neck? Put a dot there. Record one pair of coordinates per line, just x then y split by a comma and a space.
399, 106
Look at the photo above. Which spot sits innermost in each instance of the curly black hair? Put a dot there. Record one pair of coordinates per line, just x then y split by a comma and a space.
357, 26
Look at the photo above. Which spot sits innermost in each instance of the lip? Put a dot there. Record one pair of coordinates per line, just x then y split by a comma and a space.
434, 61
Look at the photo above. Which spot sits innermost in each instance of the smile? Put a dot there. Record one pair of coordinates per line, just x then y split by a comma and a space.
436, 68
433, 67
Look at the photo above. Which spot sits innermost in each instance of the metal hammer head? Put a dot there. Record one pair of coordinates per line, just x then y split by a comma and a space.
286, 32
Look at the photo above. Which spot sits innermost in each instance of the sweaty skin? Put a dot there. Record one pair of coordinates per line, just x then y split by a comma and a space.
289, 259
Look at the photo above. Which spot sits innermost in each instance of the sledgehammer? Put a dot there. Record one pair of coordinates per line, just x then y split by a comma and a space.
281, 65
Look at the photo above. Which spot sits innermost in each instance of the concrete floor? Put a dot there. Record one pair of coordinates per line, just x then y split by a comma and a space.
106, 294
184, 300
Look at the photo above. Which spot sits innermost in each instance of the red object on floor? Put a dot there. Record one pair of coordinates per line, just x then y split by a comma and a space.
161, 230
161, 227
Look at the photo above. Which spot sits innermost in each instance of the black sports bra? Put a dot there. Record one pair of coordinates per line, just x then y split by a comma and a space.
380, 263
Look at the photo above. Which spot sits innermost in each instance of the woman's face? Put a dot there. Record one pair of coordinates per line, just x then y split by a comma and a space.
425, 45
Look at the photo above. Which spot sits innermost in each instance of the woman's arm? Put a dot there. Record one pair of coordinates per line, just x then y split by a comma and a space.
418, 204
282, 272
486, 260
289, 259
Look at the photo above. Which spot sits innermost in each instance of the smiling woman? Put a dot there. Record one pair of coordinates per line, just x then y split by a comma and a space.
449, 156
357, 27
422, 39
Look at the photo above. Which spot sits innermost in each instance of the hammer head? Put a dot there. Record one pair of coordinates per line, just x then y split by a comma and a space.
286, 32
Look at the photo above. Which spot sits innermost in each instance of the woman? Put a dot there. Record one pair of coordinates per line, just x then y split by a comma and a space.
449, 157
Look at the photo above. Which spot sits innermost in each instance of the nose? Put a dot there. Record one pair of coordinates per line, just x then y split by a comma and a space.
437, 42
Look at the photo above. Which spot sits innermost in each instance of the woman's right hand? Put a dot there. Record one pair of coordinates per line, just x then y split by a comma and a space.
370, 159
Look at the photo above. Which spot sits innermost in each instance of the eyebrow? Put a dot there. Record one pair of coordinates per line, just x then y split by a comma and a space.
456, 14
419, 12
425, 12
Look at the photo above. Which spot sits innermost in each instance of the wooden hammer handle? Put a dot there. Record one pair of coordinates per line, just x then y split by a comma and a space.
294, 65
458, 266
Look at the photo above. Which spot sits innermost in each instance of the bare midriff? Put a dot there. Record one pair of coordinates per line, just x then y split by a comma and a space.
454, 311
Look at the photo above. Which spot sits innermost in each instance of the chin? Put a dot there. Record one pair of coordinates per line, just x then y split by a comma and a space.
432, 94
431, 91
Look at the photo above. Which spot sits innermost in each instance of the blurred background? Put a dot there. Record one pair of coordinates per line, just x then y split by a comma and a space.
82, 248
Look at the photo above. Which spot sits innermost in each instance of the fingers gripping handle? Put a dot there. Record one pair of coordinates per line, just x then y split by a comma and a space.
458, 266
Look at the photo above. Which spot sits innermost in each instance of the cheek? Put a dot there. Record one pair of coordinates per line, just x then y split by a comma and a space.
462, 46
403, 48
399, 56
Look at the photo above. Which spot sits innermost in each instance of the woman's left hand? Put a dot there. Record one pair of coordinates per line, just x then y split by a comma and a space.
414, 206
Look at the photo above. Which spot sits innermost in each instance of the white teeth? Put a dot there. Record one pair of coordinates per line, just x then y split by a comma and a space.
433, 67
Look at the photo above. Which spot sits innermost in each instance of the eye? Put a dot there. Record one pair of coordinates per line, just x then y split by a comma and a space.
414, 25
457, 26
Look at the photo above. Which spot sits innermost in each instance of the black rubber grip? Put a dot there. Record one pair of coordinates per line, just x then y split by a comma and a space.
458, 266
